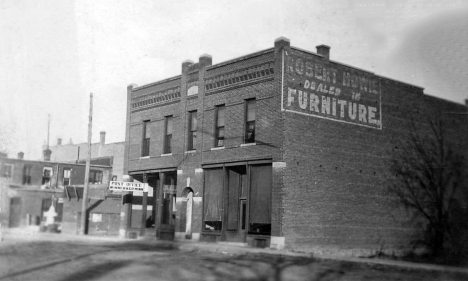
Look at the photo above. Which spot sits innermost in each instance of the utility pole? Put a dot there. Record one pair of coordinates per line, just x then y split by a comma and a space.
84, 206
48, 130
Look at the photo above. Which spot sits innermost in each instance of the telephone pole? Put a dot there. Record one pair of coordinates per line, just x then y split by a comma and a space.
84, 206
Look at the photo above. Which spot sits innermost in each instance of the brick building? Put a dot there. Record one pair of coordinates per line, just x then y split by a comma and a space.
28, 188
280, 148
102, 153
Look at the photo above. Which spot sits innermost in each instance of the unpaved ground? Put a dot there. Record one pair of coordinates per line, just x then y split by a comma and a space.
145, 260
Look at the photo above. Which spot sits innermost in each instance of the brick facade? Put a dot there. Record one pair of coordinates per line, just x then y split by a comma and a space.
329, 171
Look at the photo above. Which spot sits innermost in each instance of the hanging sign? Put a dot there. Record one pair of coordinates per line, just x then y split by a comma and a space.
128, 186
169, 189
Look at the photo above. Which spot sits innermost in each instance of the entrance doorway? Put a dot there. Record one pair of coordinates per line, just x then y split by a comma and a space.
167, 206
15, 212
237, 203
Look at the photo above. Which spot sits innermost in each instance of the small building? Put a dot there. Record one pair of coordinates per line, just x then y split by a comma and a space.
30, 187
280, 148
102, 153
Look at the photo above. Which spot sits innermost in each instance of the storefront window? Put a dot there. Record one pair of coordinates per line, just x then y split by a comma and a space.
260, 200
212, 207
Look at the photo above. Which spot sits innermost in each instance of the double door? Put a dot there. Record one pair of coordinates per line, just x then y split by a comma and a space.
167, 206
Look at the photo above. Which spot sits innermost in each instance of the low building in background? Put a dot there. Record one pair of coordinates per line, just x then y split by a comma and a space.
30, 188
102, 153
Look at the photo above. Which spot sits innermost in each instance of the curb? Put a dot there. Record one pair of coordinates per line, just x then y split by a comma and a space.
227, 249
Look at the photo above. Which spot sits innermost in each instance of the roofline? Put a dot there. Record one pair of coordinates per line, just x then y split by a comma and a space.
445, 100
54, 163
241, 58
157, 82
85, 143
266, 51
357, 68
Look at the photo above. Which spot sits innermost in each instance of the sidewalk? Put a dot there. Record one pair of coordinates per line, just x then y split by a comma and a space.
12, 236
233, 249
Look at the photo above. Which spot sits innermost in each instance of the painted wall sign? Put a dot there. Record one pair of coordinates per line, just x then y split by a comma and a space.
324, 90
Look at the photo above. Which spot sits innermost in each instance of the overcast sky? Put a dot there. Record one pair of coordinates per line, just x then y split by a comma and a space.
54, 53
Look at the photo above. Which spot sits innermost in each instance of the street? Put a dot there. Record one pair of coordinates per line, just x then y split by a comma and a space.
156, 260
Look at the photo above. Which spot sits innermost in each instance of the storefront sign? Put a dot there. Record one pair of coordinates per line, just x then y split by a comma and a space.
330, 91
169, 189
128, 186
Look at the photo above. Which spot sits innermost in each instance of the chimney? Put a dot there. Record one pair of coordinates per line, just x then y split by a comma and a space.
205, 60
71, 141
281, 42
59, 141
103, 138
20, 155
47, 152
186, 64
323, 50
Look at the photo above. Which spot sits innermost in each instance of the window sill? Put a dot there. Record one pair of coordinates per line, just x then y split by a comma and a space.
211, 232
166, 154
217, 148
144, 157
248, 144
190, 151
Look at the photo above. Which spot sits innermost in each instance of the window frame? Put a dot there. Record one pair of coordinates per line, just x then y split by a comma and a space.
167, 148
44, 177
248, 122
145, 143
63, 176
218, 128
11, 169
93, 176
27, 174
192, 132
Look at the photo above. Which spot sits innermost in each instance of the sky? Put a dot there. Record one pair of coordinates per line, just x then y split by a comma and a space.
54, 53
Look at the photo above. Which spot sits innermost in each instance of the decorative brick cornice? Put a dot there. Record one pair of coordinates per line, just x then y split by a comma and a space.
156, 98
239, 77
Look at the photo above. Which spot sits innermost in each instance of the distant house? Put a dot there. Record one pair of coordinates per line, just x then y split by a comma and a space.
111, 154
29, 188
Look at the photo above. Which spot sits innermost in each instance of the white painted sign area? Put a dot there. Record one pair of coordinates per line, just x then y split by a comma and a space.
128, 186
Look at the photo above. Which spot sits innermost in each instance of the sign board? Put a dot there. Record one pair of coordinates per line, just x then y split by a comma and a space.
322, 89
169, 189
128, 186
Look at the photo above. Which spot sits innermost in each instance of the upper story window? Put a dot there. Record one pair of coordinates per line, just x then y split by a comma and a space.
27, 174
145, 148
219, 126
46, 175
8, 171
250, 121
66, 176
192, 130
168, 135
95, 176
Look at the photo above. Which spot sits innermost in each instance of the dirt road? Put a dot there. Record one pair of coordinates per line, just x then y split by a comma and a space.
149, 260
